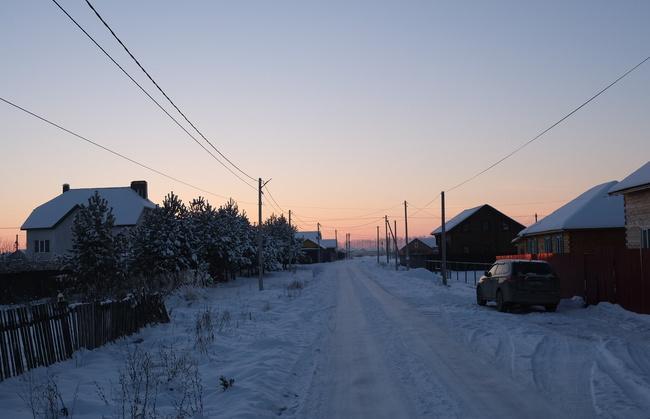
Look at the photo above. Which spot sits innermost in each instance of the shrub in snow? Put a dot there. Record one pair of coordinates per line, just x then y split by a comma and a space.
43, 398
226, 383
139, 383
204, 330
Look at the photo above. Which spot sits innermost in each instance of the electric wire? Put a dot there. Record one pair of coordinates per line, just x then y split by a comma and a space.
115, 153
149, 95
164, 93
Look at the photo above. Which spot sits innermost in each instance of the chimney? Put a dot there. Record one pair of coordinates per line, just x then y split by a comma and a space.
66, 187
140, 186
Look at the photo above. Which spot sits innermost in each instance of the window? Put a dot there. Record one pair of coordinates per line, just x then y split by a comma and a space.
503, 269
645, 238
539, 268
466, 226
548, 244
505, 226
41, 246
493, 269
559, 244
533, 248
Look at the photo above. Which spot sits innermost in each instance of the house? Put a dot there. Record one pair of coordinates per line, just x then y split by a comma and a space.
317, 249
479, 234
49, 226
330, 247
592, 221
635, 190
420, 250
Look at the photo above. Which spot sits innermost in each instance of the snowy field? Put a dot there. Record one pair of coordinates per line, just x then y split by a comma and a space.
353, 339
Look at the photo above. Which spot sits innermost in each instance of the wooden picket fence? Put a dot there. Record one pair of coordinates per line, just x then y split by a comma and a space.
40, 335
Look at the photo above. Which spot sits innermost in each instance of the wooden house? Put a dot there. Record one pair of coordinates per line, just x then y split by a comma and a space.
635, 190
420, 250
593, 221
479, 234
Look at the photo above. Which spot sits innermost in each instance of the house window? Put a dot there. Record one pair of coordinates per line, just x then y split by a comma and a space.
548, 245
559, 244
505, 226
466, 227
41, 246
645, 238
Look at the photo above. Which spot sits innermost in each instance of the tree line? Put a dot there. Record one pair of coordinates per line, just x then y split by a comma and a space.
172, 241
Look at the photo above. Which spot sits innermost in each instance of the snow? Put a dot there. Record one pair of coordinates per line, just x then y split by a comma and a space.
592, 209
638, 178
428, 241
126, 203
328, 243
308, 235
453, 222
362, 340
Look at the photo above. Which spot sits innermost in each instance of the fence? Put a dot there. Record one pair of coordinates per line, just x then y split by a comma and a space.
620, 276
40, 335
467, 271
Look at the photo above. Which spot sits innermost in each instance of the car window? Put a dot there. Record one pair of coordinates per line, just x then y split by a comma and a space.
535, 268
501, 269
493, 269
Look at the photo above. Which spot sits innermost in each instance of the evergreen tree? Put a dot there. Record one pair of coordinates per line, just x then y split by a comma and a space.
95, 256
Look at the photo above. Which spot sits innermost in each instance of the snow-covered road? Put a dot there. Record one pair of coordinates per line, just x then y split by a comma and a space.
385, 359
359, 340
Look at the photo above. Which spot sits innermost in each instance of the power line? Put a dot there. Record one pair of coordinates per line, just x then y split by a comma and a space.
165, 94
273, 199
149, 95
122, 156
585, 103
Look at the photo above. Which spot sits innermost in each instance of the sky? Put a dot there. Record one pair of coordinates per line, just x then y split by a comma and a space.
350, 108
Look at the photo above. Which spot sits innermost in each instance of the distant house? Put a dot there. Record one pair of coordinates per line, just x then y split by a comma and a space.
594, 220
49, 226
479, 234
330, 247
420, 249
635, 190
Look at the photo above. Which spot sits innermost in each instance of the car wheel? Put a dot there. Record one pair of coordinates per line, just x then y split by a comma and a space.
550, 307
501, 305
479, 298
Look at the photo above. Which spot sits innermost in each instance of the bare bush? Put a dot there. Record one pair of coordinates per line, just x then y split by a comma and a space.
204, 330
294, 288
182, 380
138, 386
43, 398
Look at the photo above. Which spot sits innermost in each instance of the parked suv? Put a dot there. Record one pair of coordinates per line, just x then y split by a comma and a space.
525, 282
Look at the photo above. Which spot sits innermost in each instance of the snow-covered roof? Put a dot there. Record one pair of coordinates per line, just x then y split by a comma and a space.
328, 243
462, 216
594, 208
126, 203
429, 241
308, 235
639, 179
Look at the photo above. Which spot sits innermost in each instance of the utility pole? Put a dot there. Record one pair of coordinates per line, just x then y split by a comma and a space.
377, 245
535, 217
443, 239
16, 244
387, 242
318, 238
291, 244
396, 248
406, 233
260, 257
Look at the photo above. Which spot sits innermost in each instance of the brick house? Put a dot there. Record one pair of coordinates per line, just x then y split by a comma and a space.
635, 190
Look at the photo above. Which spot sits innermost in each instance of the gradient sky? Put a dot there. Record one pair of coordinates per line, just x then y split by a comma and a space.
350, 107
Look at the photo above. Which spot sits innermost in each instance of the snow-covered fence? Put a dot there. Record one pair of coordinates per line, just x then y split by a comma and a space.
40, 335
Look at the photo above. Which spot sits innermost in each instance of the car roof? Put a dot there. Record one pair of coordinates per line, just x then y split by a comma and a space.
520, 260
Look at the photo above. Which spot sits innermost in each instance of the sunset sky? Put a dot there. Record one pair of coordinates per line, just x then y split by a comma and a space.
351, 107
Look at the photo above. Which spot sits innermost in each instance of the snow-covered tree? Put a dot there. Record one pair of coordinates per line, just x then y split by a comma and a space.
96, 253
162, 243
